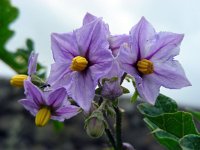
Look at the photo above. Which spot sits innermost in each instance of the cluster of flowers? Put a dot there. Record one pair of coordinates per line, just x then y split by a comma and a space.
90, 56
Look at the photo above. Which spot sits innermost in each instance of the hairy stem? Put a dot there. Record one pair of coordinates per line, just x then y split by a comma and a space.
111, 138
118, 128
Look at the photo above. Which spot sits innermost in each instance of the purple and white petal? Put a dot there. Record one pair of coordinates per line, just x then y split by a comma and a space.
141, 35
100, 69
116, 41
127, 55
88, 18
165, 47
115, 71
59, 75
33, 93
29, 105
147, 88
82, 89
170, 74
64, 47
55, 98
127, 59
84, 35
67, 112
99, 44
32, 63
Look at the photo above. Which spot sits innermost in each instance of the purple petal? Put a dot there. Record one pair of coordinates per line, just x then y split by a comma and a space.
170, 74
127, 55
115, 70
127, 59
147, 88
64, 47
33, 93
99, 46
88, 18
116, 41
165, 46
58, 74
32, 63
56, 97
141, 35
100, 69
82, 89
29, 105
66, 112
84, 36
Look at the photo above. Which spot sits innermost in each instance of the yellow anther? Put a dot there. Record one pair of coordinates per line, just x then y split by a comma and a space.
18, 80
42, 117
145, 66
79, 63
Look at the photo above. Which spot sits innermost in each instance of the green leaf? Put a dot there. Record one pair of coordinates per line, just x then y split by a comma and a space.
190, 142
168, 125
58, 126
163, 104
196, 114
18, 60
163, 137
178, 123
125, 90
134, 97
8, 15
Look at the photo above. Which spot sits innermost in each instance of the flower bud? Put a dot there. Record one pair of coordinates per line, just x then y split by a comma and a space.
111, 88
95, 125
18, 80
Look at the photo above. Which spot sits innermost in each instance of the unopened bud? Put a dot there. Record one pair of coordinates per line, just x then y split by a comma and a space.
111, 88
95, 125
18, 80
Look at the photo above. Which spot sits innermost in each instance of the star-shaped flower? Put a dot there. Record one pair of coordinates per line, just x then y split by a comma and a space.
81, 59
47, 105
149, 57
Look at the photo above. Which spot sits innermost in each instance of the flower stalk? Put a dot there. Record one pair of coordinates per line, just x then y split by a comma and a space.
118, 128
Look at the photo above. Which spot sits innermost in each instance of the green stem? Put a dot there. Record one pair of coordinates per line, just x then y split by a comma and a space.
111, 138
118, 128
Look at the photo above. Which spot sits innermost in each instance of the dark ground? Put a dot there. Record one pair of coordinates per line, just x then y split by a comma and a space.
18, 131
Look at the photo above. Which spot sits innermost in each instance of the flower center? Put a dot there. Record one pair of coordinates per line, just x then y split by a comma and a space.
18, 80
79, 63
42, 117
145, 66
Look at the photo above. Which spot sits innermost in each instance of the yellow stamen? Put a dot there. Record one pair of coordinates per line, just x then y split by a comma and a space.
79, 63
145, 66
18, 80
42, 117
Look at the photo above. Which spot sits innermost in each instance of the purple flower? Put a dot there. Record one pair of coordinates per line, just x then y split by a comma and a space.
32, 63
149, 57
111, 89
47, 105
81, 59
